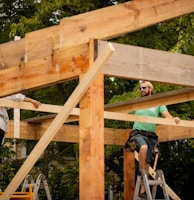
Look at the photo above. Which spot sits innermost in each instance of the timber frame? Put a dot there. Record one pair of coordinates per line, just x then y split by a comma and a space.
68, 51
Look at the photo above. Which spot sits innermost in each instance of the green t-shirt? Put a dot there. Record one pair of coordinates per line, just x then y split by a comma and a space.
151, 112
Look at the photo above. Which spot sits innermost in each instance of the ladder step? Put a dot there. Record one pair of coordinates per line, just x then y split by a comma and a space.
155, 182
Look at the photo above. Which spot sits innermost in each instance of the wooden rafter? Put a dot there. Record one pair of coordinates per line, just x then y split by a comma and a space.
165, 98
131, 62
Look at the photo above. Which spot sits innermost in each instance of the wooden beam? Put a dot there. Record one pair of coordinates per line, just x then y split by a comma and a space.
54, 67
170, 133
68, 62
165, 98
91, 137
16, 123
113, 21
107, 115
117, 20
129, 172
131, 62
70, 133
58, 121
155, 120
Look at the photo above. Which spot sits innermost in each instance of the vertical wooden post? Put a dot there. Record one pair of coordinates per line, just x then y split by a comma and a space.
91, 139
16, 123
129, 173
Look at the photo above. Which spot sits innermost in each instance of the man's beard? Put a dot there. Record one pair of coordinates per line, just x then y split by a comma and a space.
144, 94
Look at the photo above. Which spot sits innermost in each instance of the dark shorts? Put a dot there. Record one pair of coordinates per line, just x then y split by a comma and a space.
2, 134
144, 140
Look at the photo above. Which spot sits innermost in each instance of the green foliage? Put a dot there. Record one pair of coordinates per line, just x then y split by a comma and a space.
115, 86
7, 168
177, 163
64, 183
114, 167
19, 17
174, 35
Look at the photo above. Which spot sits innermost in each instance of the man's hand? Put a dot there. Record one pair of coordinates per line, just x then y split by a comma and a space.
177, 120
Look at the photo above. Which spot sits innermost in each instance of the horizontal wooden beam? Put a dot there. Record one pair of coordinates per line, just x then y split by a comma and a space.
131, 62
117, 20
54, 67
107, 114
165, 98
154, 120
70, 133
66, 63
113, 21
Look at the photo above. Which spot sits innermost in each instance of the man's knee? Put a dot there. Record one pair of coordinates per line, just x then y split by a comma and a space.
143, 148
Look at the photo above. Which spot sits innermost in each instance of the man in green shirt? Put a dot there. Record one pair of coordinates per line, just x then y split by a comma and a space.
145, 137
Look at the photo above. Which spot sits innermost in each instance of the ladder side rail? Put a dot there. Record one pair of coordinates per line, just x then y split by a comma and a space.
155, 187
48, 194
27, 181
137, 187
36, 187
146, 185
164, 188
161, 182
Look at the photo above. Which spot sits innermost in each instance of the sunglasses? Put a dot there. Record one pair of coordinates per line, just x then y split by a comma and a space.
142, 88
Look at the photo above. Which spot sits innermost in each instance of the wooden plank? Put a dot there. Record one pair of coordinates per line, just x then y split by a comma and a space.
121, 19
117, 20
91, 138
107, 115
131, 62
155, 120
165, 98
16, 123
170, 133
69, 62
58, 121
70, 133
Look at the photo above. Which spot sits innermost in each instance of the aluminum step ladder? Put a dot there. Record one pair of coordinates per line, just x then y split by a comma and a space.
39, 184
158, 181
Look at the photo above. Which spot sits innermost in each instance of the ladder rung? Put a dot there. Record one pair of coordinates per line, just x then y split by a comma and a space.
155, 182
